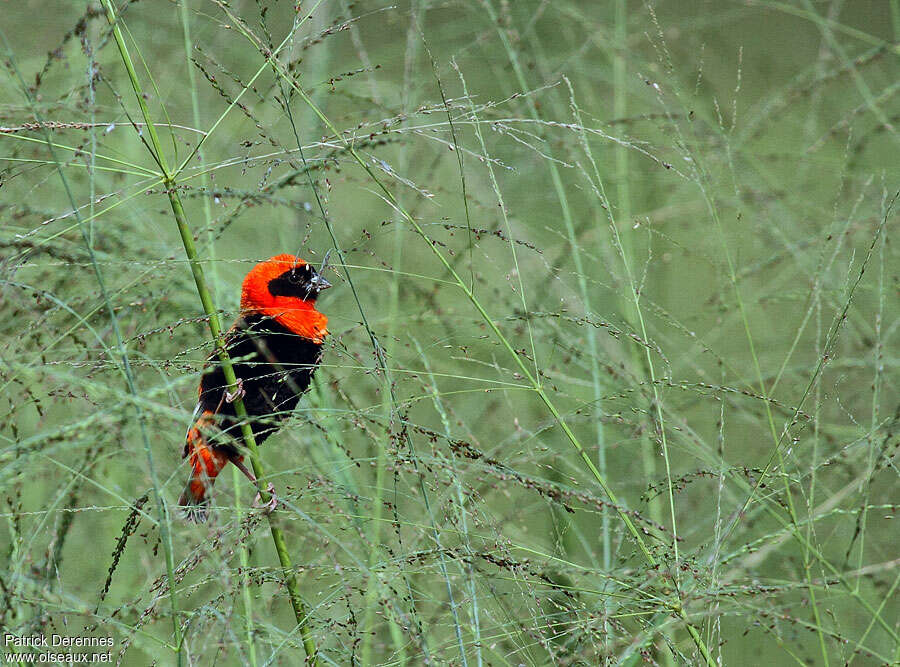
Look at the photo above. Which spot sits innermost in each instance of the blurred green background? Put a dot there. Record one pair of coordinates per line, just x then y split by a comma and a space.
678, 214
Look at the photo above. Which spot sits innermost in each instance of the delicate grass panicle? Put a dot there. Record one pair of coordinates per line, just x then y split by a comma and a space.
612, 375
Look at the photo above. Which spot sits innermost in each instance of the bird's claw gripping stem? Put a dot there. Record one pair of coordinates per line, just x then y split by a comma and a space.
269, 506
232, 396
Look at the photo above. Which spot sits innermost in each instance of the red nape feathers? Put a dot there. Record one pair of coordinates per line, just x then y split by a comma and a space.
276, 345
298, 315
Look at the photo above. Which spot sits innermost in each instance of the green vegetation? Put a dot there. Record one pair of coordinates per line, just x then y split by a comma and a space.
613, 367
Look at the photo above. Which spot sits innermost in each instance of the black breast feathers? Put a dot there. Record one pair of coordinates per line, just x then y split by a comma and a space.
275, 367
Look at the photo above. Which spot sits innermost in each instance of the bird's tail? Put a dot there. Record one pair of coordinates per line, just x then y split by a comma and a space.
206, 462
194, 506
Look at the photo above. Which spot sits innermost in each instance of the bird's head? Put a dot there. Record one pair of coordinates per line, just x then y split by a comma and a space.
286, 287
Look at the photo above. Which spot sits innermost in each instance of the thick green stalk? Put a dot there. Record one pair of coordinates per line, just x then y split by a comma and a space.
204, 176
374, 586
300, 612
620, 109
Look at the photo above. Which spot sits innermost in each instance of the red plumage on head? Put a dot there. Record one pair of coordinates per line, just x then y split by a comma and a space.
298, 315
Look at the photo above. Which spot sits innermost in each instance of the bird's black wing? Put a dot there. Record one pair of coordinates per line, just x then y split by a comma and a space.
275, 367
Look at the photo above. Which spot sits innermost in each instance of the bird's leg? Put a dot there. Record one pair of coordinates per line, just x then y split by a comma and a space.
270, 488
232, 396
238, 461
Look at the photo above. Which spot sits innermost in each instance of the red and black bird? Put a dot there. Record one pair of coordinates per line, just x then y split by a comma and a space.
275, 346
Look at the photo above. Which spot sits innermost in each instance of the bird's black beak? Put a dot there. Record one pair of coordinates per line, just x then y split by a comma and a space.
319, 284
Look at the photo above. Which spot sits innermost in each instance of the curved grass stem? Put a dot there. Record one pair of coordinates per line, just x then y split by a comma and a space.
162, 509
301, 613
